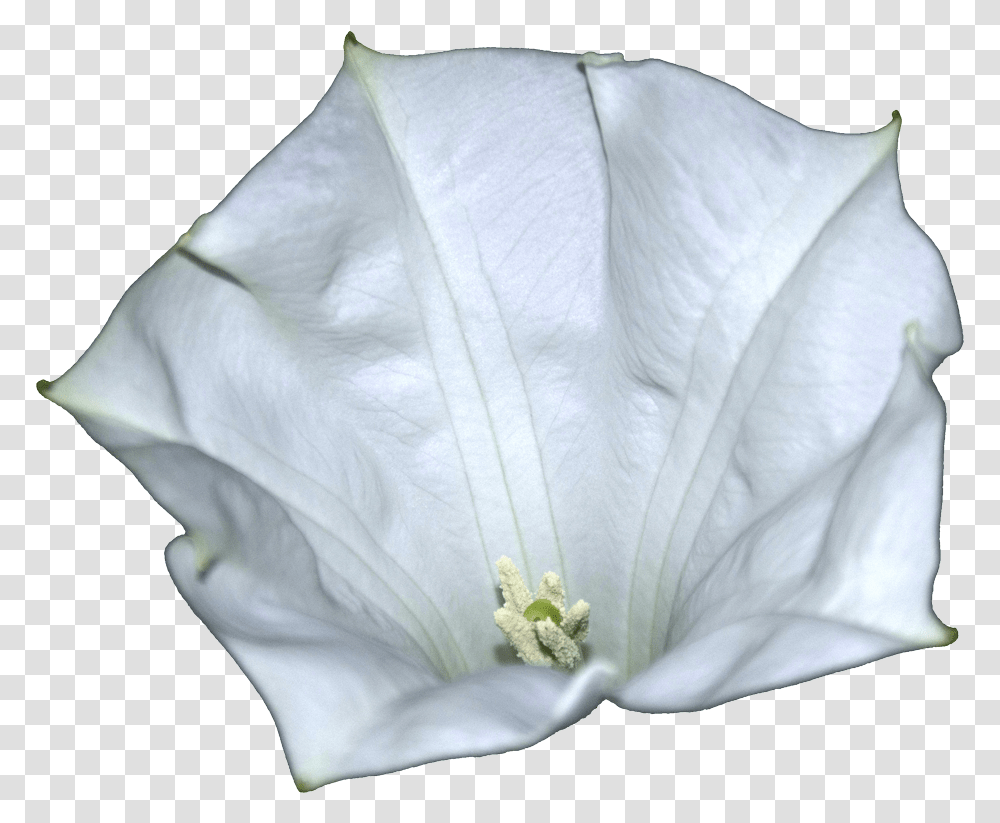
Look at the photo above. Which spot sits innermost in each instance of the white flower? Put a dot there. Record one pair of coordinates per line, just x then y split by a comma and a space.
611, 319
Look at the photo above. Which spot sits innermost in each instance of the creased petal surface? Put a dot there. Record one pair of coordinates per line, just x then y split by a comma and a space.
615, 321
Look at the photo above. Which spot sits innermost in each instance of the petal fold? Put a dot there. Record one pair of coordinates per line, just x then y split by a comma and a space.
859, 553
762, 275
346, 706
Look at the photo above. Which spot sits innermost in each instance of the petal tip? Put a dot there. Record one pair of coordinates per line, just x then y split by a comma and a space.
592, 58
927, 355
355, 50
304, 785
894, 125
190, 242
950, 634
42, 386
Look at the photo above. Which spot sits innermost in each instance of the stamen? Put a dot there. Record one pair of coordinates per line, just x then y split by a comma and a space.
541, 631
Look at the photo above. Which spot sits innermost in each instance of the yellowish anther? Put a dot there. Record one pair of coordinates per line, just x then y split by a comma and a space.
541, 630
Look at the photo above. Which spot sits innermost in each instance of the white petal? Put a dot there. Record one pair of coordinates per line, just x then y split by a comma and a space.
434, 235
764, 275
348, 707
837, 577
191, 387
328, 389
352, 691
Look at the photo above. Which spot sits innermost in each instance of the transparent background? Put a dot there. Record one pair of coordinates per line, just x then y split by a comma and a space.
122, 122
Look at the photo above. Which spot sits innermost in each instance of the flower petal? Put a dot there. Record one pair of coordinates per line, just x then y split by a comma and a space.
346, 706
351, 690
433, 238
309, 415
778, 271
185, 385
839, 576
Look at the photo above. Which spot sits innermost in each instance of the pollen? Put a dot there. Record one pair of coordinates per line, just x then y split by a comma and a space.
541, 630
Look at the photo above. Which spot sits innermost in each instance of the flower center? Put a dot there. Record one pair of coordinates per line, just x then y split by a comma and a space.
541, 630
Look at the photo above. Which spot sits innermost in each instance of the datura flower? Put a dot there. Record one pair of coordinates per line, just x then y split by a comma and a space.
612, 321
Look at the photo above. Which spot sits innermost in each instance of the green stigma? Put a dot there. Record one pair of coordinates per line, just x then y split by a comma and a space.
541, 609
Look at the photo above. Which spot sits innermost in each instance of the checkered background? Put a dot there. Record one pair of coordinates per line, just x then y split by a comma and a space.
120, 122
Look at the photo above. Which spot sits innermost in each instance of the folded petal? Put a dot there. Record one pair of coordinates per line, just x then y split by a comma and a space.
300, 382
432, 237
837, 577
763, 275
348, 706
352, 690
